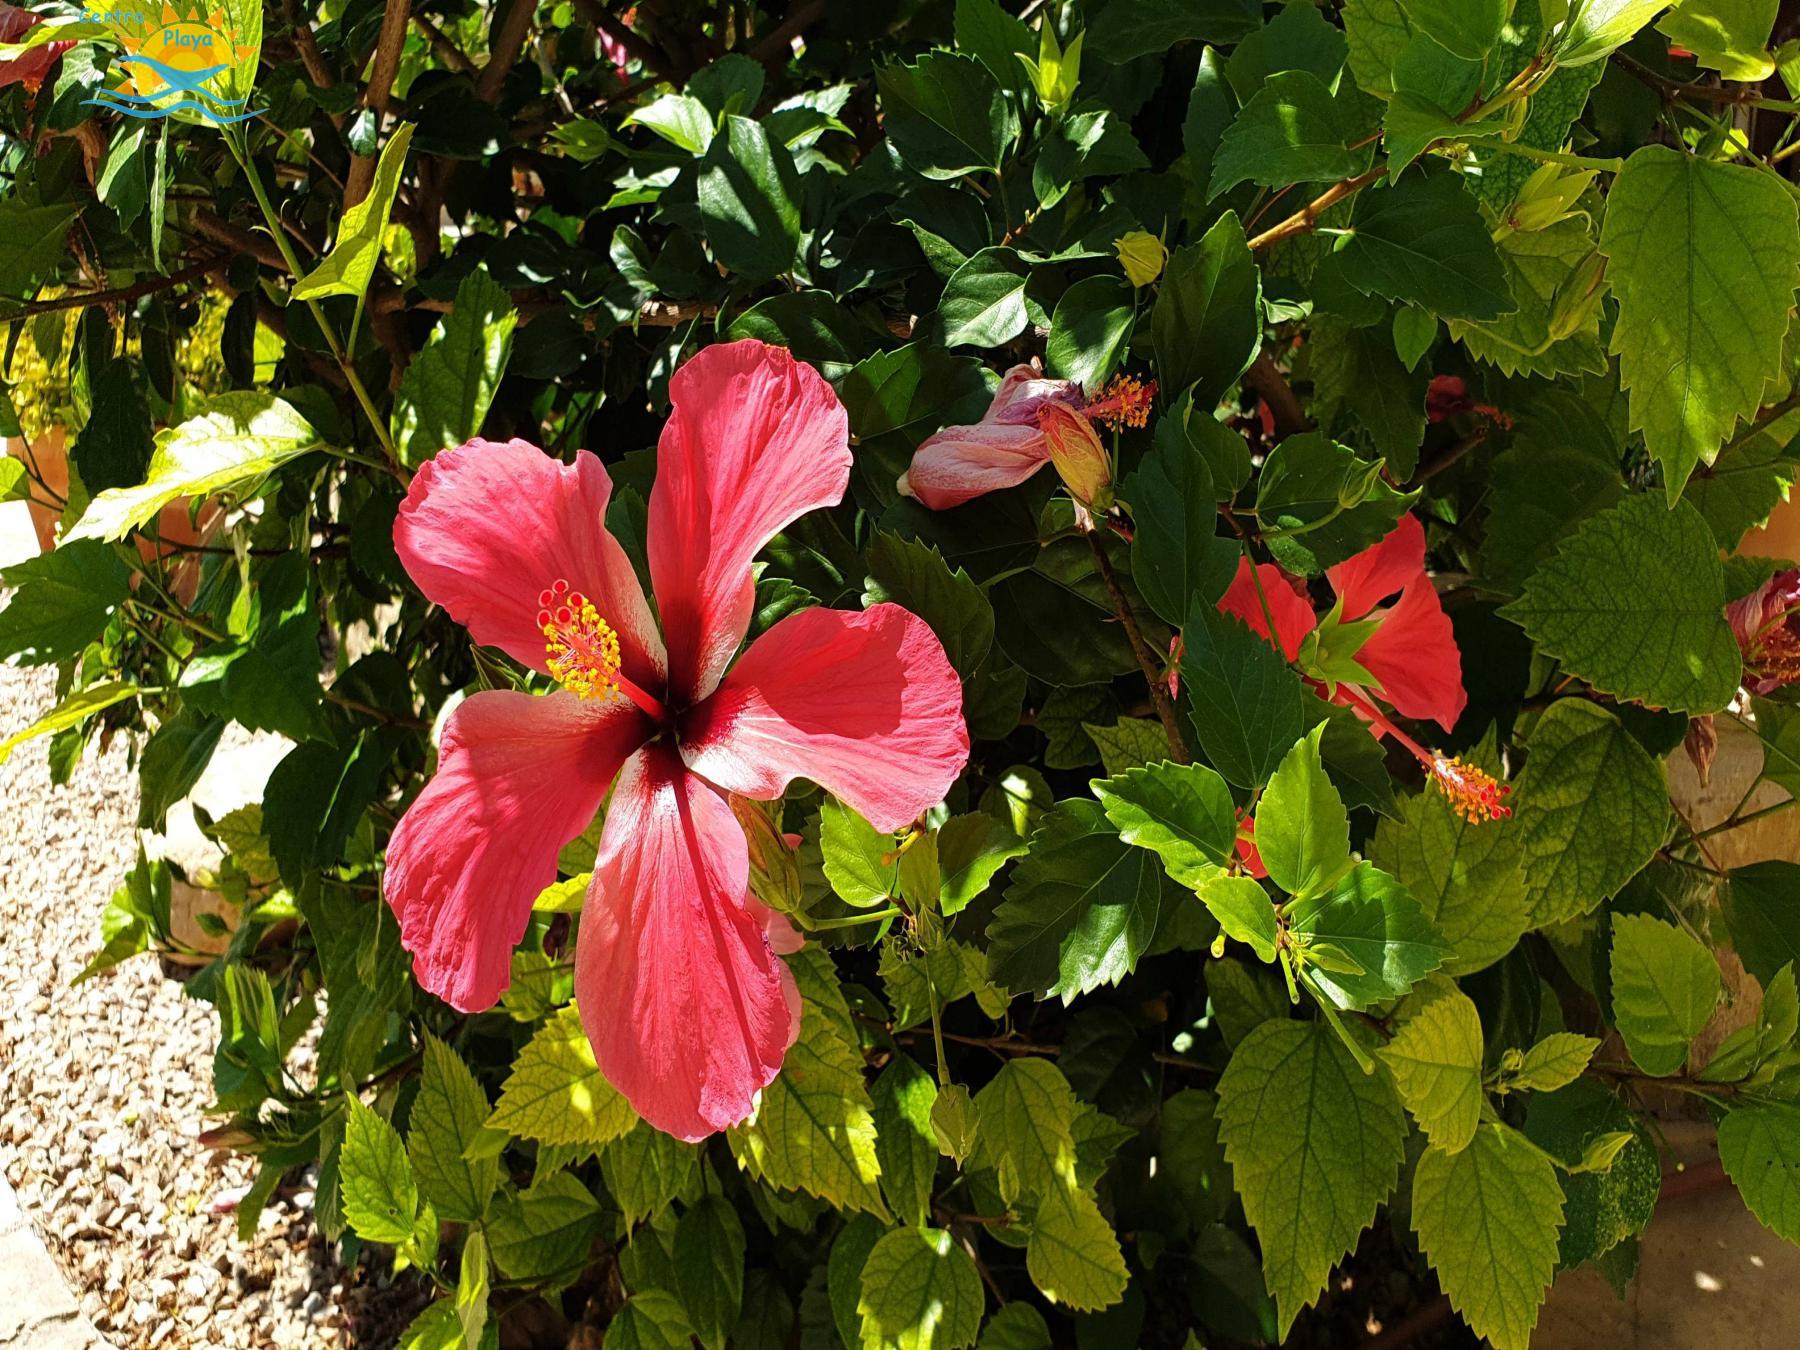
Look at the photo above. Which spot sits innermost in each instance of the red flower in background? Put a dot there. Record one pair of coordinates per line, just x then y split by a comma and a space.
1403, 653
680, 991
1767, 625
30, 68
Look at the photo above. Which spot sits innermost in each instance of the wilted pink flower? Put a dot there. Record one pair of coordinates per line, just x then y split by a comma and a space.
1767, 625
681, 994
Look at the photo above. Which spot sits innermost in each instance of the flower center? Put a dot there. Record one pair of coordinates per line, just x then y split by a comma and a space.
1474, 794
1125, 404
1776, 655
583, 648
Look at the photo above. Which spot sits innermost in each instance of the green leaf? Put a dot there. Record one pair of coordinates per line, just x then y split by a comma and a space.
1320, 503
919, 1291
645, 1169
1073, 1256
914, 575
1090, 330
1598, 28
995, 38
709, 1269
1422, 240
1129, 743
1357, 368
1177, 554
1207, 325
749, 197
472, 1288
113, 449
1298, 37
1314, 1144
946, 115
172, 761
1633, 602
1759, 1145
1469, 879
446, 1137
555, 1093
650, 1320
71, 712
905, 1145
545, 1232
983, 304
1763, 916
1242, 697
234, 440
1436, 1058
1015, 1326
61, 601
1080, 909
1544, 273
1369, 917
1181, 812
1743, 485
1466, 28
856, 856
1487, 1220
971, 848
1704, 260
1243, 910
1729, 36
1377, 32
445, 394
380, 1198
1293, 131
682, 121
814, 1128
1554, 1062
350, 266
1128, 29
33, 239
1056, 621
1302, 830
1592, 810
1664, 988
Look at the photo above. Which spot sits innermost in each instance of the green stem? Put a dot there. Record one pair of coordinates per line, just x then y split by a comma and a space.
1555, 156
241, 153
937, 1031
1732, 822
852, 920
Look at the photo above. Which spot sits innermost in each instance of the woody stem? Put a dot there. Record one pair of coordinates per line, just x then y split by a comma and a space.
1159, 691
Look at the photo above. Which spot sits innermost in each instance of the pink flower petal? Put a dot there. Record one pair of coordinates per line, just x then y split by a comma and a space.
755, 440
487, 526
1381, 570
1292, 612
865, 705
518, 777
680, 992
1414, 658
958, 464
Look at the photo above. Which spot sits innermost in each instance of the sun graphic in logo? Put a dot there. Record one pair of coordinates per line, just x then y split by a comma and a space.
182, 61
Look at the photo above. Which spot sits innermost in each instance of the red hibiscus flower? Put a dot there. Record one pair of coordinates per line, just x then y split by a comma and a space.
687, 1006
30, 68
1403, 653
1031, 422
1767, 625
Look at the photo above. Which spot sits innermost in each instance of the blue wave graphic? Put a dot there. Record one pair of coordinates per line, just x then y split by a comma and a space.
186, 81
103, 100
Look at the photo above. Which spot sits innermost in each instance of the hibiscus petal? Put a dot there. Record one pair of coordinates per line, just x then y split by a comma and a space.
865, 705
487, 526
755, 440
1292, 612
1380, 570
680, 992
1414, 658
957, 464
518, 777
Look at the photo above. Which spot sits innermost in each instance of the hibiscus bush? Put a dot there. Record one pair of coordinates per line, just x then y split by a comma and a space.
953, 673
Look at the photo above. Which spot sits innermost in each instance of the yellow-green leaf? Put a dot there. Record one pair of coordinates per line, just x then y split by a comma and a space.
556, 1093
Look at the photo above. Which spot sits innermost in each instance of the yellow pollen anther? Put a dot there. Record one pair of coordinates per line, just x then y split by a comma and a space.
1474, 793
583, 648
1126, 404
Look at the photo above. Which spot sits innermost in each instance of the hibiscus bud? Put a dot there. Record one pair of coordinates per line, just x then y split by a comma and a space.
953, 1122
774, 873
1142, 255
1548, 196
1080, 458
1702, 744
1578, 297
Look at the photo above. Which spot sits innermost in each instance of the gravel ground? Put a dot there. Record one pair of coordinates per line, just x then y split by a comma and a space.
103, 1090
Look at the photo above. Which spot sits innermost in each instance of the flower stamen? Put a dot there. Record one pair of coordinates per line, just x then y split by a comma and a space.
1474, 793
582, 646
1126, 403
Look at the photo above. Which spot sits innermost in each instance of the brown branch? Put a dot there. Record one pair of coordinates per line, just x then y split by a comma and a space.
1159, 691
379, 92
1451, 456
1674, 89
311, 58
505, 41
1265, 377
448, 52
209, 226
1303, 220
148, 286
605, 21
